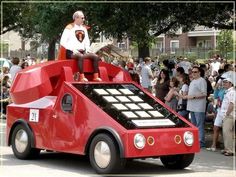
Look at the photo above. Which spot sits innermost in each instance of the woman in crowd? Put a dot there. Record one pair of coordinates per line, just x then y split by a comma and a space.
182, 103
162, 85
24, 65
219, 93
170, 98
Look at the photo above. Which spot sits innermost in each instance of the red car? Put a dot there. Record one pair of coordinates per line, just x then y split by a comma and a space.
110, 121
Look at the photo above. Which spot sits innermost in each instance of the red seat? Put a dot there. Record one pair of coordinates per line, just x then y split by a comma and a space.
62, 53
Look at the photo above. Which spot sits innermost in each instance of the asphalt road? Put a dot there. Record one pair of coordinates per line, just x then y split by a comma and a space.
50, 164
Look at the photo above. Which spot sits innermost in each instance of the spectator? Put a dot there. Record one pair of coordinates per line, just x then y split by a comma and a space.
162, 85
197, 102
146, 74
15, 68
228, 112
182, 103
4, 72
24, 65
218, 96
215, 66
6, 81
170, 98
185, 64
179, 71
4, 100
210, 112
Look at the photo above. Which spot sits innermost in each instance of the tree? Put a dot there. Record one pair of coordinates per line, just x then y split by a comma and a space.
225, 42
140, 22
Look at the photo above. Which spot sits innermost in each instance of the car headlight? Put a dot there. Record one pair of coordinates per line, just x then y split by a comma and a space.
188, 138
139, 141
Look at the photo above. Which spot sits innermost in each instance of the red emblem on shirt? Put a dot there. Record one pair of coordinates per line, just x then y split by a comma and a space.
80, 35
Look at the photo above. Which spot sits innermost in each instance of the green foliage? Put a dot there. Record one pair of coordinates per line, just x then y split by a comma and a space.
4, 47
140, 22
211, 53
225, 42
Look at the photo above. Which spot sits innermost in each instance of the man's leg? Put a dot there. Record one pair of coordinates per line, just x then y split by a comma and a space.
95, 60
193, 118
80, 62
228, 133
200, 118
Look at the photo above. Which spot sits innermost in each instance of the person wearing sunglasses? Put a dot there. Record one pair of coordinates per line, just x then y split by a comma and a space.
76, 41
196, 103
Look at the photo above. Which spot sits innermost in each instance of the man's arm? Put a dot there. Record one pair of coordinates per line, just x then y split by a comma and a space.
230, 109
64, 38
87, 41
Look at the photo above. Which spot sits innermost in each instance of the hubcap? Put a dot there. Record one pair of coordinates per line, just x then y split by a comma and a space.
21, 140
102, 154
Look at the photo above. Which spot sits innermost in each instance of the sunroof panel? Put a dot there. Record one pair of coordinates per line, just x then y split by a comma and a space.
123, 99
155, 114
142, 114
133, 106
129, 114
135, 98
113, 91
110, 99
145, 106
126, 91
101, 91
120, 107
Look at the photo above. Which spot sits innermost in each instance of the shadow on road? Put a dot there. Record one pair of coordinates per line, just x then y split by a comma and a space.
81, 165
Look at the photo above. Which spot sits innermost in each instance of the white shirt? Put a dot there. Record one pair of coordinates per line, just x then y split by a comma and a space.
197, 87
186, 65
229, 97
146, 73
13, 70
71, 42
215, 66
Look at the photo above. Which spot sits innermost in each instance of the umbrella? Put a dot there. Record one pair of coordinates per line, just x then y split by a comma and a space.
231, 75
5, 63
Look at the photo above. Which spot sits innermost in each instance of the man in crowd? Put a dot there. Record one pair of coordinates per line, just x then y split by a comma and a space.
228, 113
197, 102
146, 74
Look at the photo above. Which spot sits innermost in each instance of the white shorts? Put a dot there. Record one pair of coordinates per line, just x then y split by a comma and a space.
218, 120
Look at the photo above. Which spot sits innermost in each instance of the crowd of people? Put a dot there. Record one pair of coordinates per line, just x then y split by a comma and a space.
200, 93
7, 75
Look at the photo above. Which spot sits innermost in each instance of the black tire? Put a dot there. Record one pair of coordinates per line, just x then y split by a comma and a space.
177, 161
27, 152
115, 163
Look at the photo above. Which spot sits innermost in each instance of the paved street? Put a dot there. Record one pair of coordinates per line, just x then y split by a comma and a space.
210, 164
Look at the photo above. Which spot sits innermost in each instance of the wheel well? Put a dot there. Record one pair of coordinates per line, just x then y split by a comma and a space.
112, 134
21, 122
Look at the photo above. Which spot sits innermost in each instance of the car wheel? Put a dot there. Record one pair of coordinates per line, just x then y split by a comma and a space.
21, 143
177, 161
104, 155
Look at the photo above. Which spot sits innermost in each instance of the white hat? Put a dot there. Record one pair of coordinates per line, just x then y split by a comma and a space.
229, 80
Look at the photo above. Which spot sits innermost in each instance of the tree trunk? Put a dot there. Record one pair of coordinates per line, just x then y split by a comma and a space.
51, 49
143, 51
